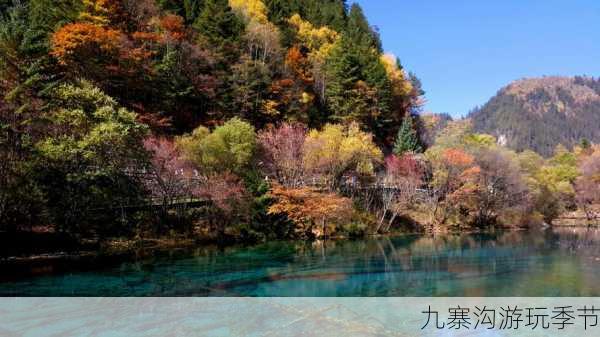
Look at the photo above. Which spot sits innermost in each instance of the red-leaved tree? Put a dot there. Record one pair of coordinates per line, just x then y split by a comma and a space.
170, 177
282, 153
399, 186
229, 199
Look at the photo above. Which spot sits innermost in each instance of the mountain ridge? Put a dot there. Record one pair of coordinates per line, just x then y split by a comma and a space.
540, 113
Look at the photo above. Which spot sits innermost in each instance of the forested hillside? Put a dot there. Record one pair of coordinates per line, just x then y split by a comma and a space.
254, 120
538, 114
179, 64
92, 88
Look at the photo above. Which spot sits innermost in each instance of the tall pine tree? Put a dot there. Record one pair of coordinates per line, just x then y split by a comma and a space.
26, 67
407, 139
188, 9
330, 13
358, 87
219, 24
360, 32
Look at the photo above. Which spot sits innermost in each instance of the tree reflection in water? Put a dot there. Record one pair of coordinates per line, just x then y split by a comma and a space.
553, 262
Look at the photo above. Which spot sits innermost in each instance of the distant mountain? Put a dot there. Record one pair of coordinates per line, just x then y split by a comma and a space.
429, 126
540, 113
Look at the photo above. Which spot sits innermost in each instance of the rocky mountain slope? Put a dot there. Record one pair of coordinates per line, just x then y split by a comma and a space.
540, 113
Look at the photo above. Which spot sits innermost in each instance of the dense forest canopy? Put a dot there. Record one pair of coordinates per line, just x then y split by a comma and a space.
77, 76
245, 118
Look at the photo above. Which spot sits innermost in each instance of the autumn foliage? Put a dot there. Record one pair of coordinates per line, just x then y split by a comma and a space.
231, 115
405, 166
314, 212
282, 151
588, 185
174, 26
170, 176
80, 41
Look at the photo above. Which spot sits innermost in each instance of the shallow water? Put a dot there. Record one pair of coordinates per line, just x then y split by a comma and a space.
554, 262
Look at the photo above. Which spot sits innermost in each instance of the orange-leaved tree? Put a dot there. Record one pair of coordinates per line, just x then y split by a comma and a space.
80, 41
311, 210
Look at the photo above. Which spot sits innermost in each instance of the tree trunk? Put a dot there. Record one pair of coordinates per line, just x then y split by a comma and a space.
394, 215
381, 221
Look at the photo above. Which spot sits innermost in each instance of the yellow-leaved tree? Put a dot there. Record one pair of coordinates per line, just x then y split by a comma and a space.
339, 149
401, 85
262, 37
250, 10
95, 12
319, 41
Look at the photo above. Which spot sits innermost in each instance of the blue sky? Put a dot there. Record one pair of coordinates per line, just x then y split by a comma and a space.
465, 50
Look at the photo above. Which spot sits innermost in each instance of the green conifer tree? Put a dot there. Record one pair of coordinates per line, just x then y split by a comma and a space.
407, 139
360, 32
585, 143
331, 13
192, 9
219, 24
173, 6
25, 64
358, 87
188, 9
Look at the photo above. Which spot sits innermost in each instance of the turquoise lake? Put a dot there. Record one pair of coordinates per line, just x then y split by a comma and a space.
551, 262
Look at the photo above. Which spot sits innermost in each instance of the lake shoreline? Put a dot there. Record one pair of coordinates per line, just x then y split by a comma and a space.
402, 264
91, 255
96, 256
